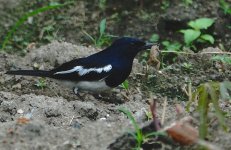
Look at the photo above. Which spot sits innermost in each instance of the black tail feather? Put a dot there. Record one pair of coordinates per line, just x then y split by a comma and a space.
38, 73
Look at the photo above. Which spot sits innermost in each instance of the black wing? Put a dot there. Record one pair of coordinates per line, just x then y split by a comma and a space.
117, 76
83, 69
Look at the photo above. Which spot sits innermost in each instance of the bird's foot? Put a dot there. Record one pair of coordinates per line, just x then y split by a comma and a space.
108, 97
75, 90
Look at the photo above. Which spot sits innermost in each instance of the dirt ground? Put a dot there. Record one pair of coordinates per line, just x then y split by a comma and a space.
60, 120
57, 119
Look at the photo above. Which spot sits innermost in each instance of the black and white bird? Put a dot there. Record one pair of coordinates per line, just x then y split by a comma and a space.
98, 72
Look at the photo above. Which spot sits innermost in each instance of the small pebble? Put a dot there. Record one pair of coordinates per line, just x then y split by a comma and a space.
17, 86
36, 65
102, 119
2, 81
108, 125
20, 111
160, 72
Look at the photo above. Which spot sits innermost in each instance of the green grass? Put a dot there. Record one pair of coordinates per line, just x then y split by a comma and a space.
225, 6
206, 94
223, 58
41, 83
25, 17
194, 33
103, 39
138, 135
125, 85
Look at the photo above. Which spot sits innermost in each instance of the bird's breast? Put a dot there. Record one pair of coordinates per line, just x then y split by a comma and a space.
92, 86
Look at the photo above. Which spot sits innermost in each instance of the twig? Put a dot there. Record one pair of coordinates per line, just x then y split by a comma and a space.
208, 145
156, 122
187, 53
227, 53
71, 120
141, 74
138, 90
184, 90
125, 96
164, 110
190, 91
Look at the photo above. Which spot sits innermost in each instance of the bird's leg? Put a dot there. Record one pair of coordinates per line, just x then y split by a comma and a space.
75, 90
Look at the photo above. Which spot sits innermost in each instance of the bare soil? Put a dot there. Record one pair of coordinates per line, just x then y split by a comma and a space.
60, 120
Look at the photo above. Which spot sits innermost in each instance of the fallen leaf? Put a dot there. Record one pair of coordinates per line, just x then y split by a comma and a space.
153, 109
31, 46
23, 120
153, 60
183, 132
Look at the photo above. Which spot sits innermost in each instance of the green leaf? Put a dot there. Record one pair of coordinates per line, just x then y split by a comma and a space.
54, 3
41, 83
48, 28
102, 27
166, 43
102, 4
190, 35
173, 46
154, 38
188, 2
225, 87
225, 6
125, 84
202, 23
222, 58
208, 38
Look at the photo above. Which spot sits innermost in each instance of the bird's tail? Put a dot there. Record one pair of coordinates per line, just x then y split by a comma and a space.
39, 73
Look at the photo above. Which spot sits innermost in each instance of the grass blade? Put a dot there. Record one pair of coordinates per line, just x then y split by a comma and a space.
90, 37
203, 111
155, 134
102, 27
225, 87
26, 16
139, 136
218, 112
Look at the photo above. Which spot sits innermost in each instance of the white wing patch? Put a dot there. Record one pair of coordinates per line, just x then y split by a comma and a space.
82, 71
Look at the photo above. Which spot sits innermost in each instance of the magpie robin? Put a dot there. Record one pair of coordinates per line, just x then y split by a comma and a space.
98, 72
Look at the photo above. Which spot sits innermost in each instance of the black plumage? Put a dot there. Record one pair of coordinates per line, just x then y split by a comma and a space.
111, 65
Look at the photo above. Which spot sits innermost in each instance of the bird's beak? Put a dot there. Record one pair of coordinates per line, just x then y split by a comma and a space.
147, 46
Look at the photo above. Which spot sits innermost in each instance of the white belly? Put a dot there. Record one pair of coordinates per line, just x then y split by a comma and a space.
93, 86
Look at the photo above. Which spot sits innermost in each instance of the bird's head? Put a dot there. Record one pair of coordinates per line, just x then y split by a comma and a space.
130, 46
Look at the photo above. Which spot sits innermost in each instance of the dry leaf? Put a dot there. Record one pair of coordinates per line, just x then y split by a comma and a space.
156, 121
22, 120
179, 109
154, 53
183, 132
31, 46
